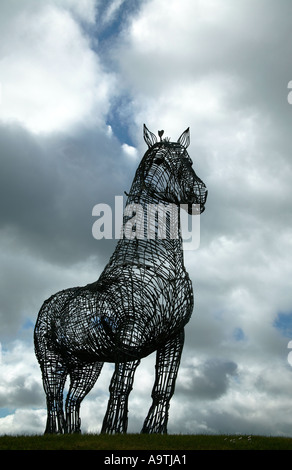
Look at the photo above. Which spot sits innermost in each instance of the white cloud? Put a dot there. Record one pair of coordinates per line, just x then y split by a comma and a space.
24, 422
130, 151
51, 78
83, 9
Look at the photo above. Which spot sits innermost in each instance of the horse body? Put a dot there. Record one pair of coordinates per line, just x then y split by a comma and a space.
140, 304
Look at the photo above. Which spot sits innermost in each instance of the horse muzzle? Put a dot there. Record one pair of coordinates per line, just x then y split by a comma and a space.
197, 207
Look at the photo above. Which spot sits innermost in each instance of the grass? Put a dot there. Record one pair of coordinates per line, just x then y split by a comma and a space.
144, 442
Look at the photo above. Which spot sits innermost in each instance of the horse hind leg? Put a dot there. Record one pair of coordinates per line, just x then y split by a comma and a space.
54, 374
82, 379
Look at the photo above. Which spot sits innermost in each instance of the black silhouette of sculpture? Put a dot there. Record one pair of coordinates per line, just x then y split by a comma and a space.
140, 304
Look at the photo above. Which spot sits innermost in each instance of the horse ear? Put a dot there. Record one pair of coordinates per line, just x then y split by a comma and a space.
149, 137
184, 139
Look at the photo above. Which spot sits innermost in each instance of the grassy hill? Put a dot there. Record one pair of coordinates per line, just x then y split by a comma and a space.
137, 442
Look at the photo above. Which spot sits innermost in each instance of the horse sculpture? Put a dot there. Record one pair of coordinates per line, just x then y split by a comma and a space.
140, 304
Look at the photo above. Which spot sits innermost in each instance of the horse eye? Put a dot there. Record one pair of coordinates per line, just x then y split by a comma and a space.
188, 161
158, 161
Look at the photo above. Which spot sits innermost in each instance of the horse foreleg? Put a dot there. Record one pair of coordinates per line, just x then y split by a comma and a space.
116, 417
167, 365
82, 379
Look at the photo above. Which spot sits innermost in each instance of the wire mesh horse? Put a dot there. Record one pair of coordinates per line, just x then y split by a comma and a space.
140, 304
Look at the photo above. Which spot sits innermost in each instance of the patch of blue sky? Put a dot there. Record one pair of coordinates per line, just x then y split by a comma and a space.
119, 122
238, 334
6, 412
113, 17
283, 323
108, 30
28, 324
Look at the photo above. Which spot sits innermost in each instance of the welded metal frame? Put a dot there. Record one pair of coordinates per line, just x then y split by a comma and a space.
140, 303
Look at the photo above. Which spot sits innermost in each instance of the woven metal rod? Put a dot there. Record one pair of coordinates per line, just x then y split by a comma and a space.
140, 303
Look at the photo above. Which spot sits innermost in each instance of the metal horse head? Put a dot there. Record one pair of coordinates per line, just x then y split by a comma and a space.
168, 172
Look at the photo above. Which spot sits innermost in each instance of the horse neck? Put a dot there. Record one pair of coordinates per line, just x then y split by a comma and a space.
165, 252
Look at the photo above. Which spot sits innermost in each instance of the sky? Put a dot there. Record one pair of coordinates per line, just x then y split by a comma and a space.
77, 81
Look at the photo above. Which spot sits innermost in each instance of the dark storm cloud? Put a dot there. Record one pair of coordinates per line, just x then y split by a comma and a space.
50, 185
209, 380
21, 393
48, 188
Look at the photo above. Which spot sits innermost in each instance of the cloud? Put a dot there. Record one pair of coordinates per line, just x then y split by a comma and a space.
112, 11
20, 385
209, 380
27, 422
48, 187
130, 151
53, 79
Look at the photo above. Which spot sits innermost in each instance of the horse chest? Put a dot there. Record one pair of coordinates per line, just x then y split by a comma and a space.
161, 304
175, 303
